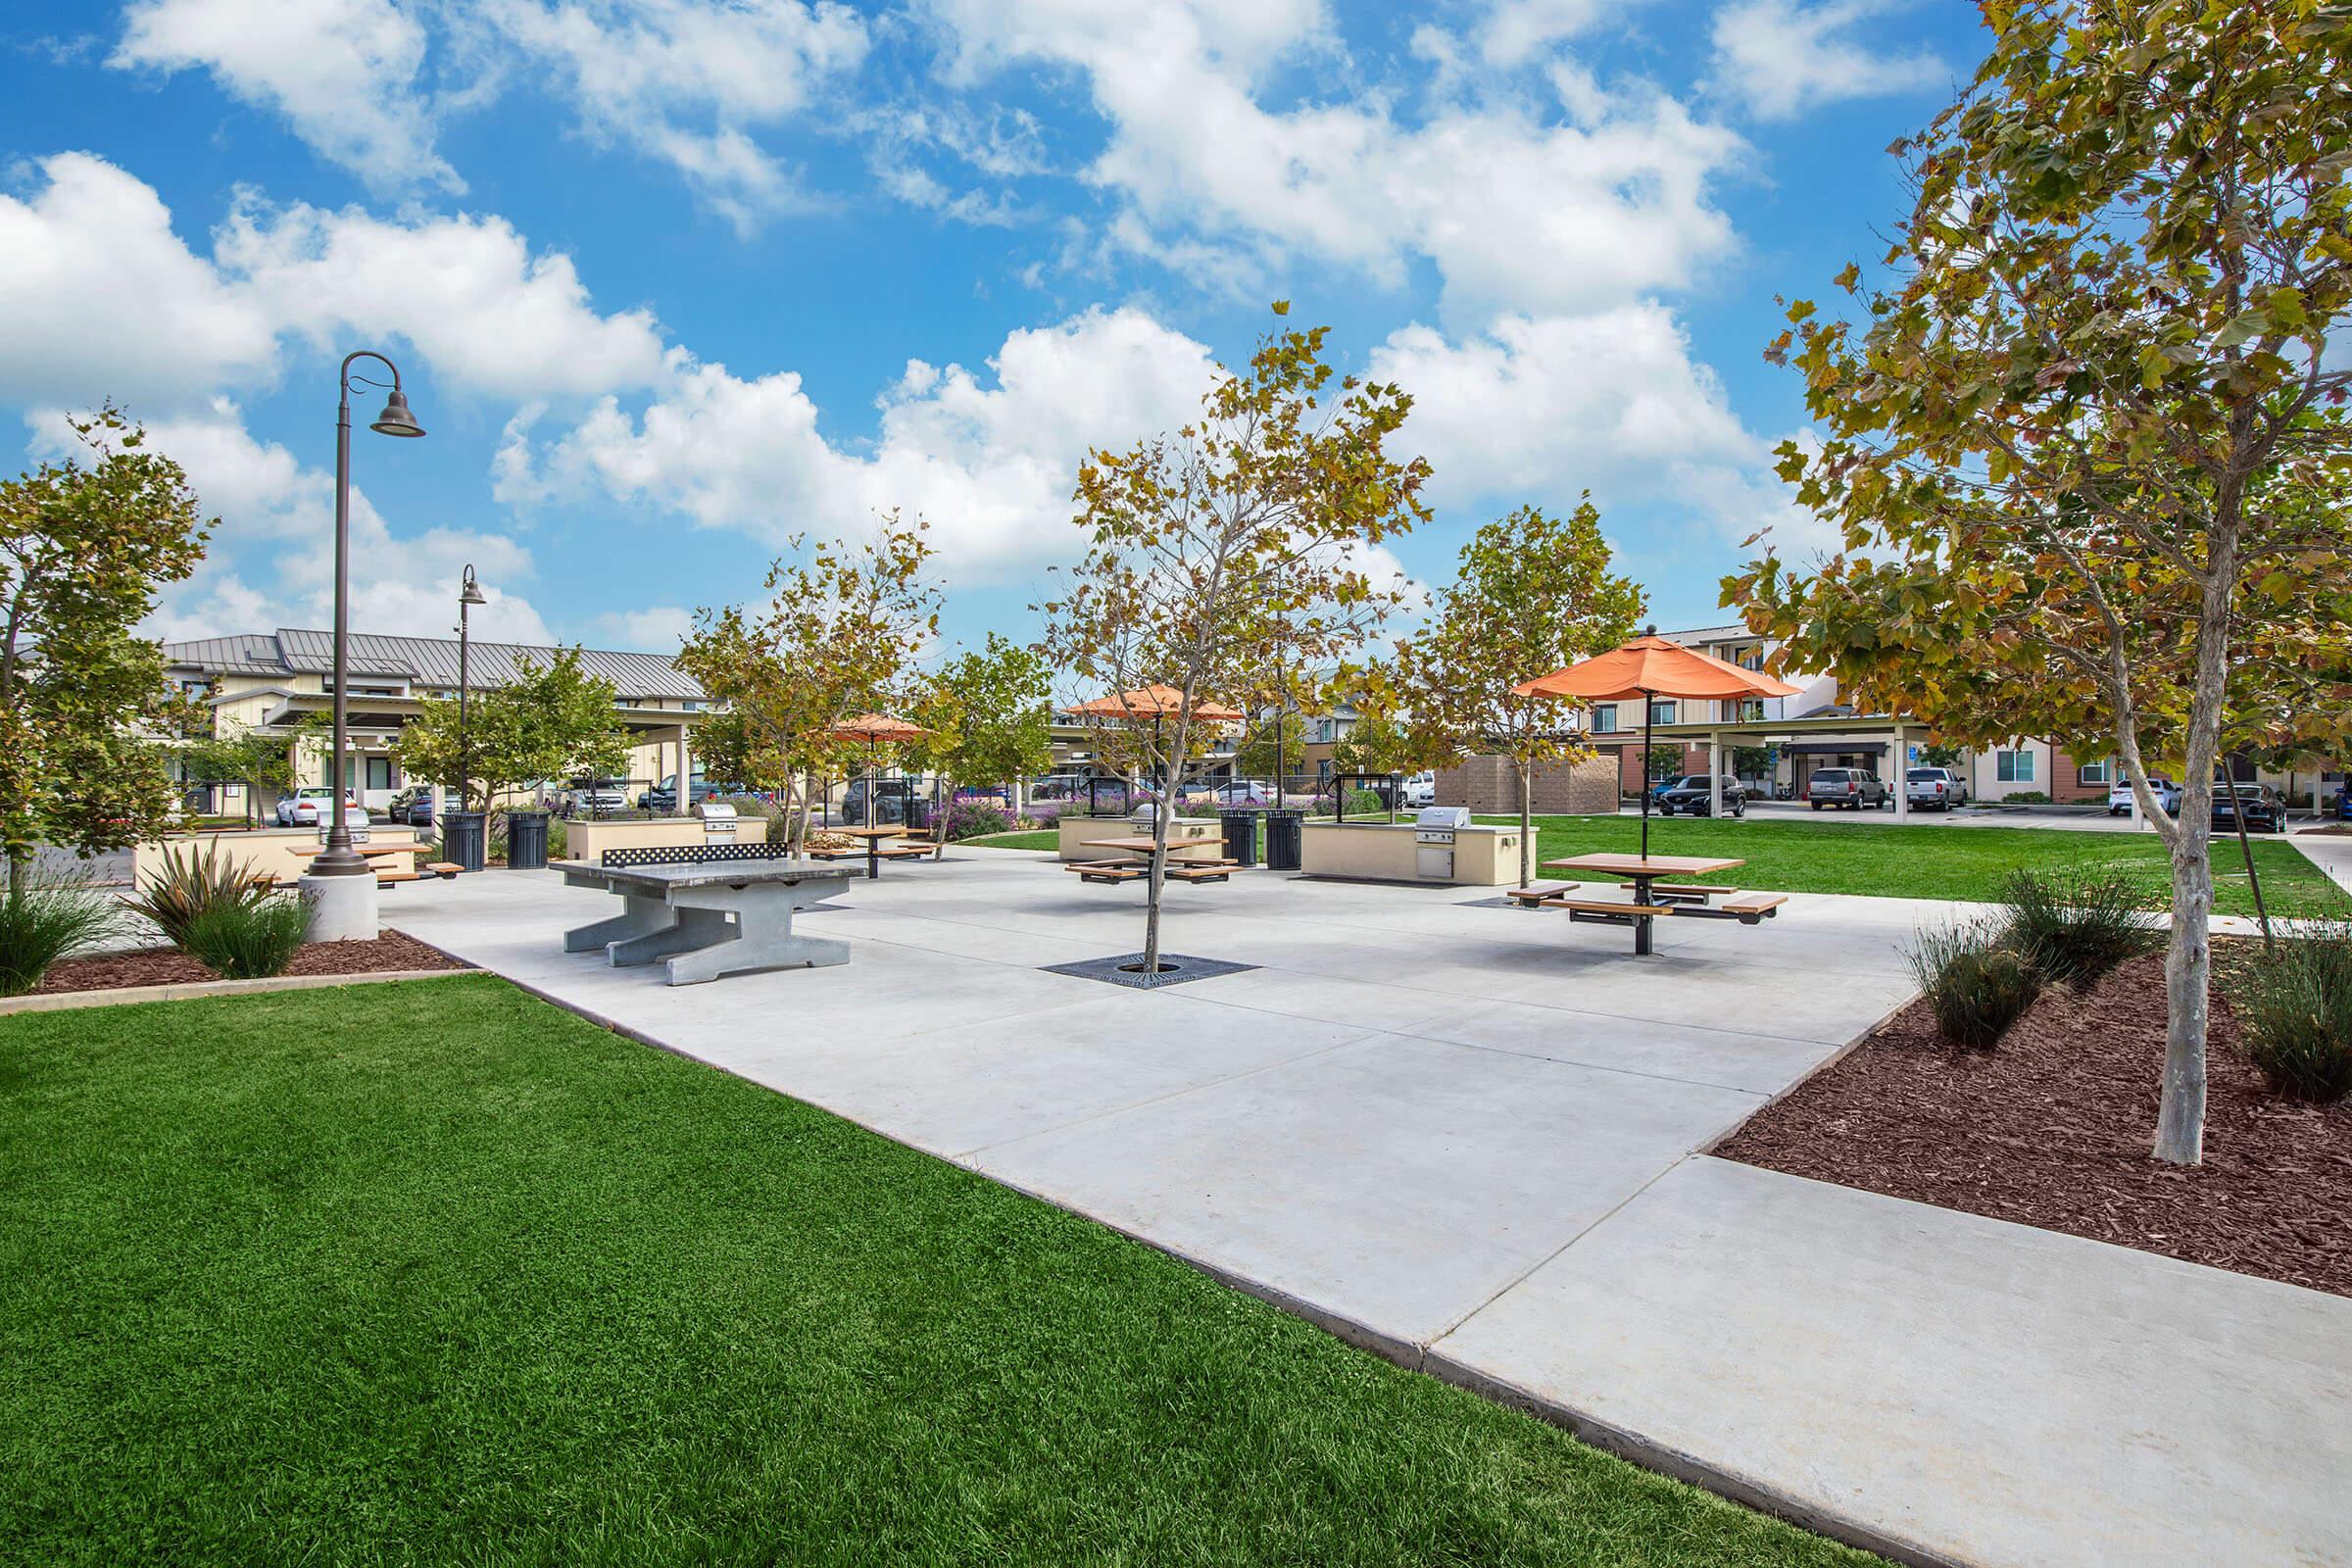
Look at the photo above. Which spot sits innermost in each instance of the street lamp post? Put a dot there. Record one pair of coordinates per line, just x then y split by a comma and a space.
469, 594
337, 858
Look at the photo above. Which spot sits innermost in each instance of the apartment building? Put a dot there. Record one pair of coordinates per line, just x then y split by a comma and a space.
269, 682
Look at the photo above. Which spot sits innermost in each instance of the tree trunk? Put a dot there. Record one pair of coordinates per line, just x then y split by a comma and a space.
2188, 974
1157, 877
1527, 824
20, 875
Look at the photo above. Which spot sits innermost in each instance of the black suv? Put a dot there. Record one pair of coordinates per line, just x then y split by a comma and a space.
1691, 793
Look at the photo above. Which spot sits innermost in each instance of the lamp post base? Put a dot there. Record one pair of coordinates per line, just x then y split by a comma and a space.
342, 908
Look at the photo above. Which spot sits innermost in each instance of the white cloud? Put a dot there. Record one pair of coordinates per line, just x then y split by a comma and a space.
687, 83
101, 298
276, 518
1515, 31
1559, 404
661, 629
104, 300
342, 71
991, 467
1779, 58
1591, 205
466, 291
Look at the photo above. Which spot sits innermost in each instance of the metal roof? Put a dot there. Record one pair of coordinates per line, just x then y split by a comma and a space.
427, 661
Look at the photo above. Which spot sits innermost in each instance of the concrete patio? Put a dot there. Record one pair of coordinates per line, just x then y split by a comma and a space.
1467, 1135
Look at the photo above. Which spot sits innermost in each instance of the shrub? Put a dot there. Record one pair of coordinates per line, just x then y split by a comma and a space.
188, 885
250, 941
971, 819
2026, 797
1974, 982
40, 926
2295, 1006
2073, 927
1044, 813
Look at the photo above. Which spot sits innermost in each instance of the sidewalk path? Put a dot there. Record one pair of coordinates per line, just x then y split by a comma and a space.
1467, 1137
2328, 852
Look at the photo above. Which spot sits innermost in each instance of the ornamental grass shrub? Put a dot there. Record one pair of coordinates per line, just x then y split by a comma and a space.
2296, 1007
2075, 926
1972, 980
250, 941
41, 924
190, 884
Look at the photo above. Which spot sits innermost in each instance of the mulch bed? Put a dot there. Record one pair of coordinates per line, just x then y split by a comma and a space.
2052, 1128
168, 966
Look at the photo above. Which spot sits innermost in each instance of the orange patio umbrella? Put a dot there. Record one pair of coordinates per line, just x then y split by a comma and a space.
1651, 665
874, 729
1155, 703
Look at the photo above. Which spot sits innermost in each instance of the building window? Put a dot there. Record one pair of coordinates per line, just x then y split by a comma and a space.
2013, 767
379, 772
1604, 719
2098, 772
1743, 709
1662, 712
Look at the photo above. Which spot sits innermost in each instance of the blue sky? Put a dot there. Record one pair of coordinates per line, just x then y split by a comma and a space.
671, 280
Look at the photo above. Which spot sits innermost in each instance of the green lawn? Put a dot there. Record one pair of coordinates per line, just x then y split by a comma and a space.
1935, 862
435, 1273
1036, 838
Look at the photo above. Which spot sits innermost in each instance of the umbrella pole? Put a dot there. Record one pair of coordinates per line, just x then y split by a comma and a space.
1650, 713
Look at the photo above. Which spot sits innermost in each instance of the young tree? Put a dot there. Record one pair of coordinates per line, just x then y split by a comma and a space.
2080, 451
555, 721
988, 714
1237, 536
85, 546
258, 760
1256, 757
1532, 594
839, 637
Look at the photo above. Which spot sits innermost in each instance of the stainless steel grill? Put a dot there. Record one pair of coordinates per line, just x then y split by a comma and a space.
1434, 829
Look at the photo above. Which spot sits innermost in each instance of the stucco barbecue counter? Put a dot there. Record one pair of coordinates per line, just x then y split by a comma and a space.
1387, 851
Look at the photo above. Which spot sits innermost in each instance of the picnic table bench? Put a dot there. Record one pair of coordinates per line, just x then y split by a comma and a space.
1180, 864
1654, 899
873, 852
385, 875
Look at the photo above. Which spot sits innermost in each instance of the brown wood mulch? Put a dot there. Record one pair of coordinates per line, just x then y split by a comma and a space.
2052, 1128
168, 966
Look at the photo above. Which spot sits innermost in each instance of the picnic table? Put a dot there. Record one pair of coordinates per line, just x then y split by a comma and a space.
1215, 869
709, 918
374, 849
875, 853
1650, 899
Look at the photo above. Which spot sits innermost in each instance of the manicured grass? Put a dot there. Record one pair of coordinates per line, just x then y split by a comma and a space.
1035, 839
1935, 861
433, 1272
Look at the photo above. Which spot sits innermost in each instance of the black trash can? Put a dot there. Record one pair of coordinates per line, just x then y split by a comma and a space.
1283, 834
918, 813
526, 840
463, 839
1241, 836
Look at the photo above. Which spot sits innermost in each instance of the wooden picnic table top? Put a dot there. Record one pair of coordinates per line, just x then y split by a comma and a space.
1634, 865
885, 832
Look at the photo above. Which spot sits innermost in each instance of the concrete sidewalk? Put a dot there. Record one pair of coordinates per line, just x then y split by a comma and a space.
1467, 1137
2330, 852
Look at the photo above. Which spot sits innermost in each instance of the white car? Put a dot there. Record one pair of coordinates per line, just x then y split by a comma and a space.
315, 806
2167, 792
1420, 790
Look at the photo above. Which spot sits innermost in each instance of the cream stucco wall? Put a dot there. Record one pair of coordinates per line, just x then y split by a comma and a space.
1378, 852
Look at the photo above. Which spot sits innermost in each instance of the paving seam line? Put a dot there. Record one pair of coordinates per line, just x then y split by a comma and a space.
1411, 1355
1807, 1076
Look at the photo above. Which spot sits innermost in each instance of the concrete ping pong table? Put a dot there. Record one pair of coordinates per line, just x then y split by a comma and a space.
710, 911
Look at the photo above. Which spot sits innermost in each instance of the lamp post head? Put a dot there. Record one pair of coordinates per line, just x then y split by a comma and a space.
395, 420
469, 592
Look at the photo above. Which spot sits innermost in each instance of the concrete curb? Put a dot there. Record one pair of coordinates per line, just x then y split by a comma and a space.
189, 991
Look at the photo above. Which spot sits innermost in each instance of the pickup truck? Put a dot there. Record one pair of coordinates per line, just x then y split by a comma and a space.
2167, 792
1934, 789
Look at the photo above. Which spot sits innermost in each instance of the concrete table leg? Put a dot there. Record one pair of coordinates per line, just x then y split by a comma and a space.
761, 938
691, 929
639, 916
